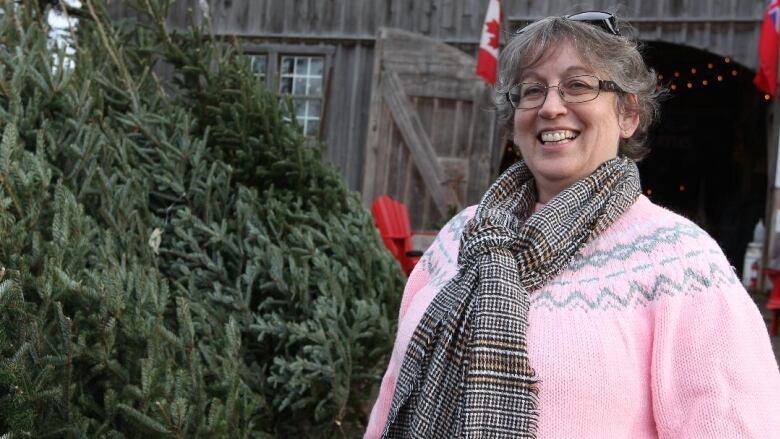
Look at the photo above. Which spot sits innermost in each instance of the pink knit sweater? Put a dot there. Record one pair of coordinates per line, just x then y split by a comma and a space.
648, 333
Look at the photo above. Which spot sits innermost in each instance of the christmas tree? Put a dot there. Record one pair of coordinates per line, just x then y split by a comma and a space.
176, 258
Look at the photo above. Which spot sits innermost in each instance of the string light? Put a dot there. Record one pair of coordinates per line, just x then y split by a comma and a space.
767, 97
692, 77
649, 192
682, 188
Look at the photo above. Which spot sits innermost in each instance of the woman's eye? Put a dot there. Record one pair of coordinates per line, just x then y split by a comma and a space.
531, 91
578, 85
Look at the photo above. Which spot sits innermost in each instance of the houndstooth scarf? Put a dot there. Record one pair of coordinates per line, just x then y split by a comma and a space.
466, 371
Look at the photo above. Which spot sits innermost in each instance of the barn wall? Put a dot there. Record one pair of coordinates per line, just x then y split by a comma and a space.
349, 27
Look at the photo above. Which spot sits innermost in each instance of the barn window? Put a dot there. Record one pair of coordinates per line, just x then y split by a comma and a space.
301, 77
260, 66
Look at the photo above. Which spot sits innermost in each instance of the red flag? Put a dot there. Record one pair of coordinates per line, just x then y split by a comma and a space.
487, 57
766, 76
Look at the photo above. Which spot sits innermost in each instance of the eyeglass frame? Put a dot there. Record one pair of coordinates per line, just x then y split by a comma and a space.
604, 20
603, 85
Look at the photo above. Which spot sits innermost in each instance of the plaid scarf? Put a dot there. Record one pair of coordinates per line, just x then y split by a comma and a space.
466, 371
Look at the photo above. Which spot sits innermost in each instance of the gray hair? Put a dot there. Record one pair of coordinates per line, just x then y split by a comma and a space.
616, 56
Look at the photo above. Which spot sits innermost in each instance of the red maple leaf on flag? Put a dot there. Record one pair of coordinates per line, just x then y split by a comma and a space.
492, 29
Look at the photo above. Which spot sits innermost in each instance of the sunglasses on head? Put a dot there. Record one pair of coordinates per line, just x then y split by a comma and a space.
602, 20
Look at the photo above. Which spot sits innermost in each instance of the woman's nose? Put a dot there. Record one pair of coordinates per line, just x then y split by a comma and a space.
553, 104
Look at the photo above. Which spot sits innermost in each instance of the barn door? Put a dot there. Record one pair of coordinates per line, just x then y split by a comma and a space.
431, 138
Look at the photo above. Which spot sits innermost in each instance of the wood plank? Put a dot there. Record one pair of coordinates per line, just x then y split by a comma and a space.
425, 112
416, 139
373, 141
399, 156
424, 14
355, 117
456, 169
447, 13
388, 141
417, 200
276, 19
368, 18
461, 141
479, 161
431, 86
352, 17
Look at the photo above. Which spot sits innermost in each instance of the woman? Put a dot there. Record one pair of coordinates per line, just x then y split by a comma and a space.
566, 304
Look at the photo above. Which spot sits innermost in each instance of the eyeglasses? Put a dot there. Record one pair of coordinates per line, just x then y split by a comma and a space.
573, 90
603, 20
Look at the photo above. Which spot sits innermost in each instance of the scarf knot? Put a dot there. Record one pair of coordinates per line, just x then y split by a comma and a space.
493, 230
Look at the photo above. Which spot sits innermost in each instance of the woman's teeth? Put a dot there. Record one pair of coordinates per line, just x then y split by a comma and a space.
557, 136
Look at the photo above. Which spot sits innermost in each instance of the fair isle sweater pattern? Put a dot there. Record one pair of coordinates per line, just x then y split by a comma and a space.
636, 294
630, 294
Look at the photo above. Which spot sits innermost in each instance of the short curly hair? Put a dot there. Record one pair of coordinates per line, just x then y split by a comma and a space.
617, 56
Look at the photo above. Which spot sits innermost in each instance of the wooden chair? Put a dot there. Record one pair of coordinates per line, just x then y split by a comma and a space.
773, 304
392, 220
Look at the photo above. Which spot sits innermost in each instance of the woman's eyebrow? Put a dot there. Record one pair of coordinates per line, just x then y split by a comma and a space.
570, 71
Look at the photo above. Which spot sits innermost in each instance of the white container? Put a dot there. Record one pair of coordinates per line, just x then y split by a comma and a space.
752, 268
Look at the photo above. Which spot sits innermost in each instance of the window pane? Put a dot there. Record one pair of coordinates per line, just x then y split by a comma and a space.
312, 128
316, 67
299, 87
287, 65
286, 86
259, 65
301, 65
300, 108
315, 106
315, 87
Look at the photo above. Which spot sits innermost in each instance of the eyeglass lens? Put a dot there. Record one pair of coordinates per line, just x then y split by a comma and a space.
576, 89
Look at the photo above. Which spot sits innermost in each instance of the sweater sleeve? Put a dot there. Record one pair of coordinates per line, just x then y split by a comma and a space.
434, 269
713, 372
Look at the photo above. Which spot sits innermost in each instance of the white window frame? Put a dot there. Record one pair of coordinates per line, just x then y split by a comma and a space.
273, 75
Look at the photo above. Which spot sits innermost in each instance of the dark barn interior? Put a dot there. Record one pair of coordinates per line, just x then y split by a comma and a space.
708, 158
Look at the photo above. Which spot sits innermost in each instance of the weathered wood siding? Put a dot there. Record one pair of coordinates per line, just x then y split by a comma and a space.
349, 27
725, 27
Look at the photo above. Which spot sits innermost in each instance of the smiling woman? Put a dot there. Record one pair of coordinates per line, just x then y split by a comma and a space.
566, 304
565, 136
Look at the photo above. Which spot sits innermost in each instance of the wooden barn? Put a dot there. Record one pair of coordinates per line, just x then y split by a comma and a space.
389, 87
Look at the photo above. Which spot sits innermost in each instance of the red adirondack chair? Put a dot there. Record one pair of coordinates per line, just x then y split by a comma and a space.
774, 299
392, 220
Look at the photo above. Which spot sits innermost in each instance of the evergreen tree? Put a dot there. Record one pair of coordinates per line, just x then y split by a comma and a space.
177, 258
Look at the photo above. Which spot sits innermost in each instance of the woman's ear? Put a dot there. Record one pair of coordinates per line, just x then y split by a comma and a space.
628, 120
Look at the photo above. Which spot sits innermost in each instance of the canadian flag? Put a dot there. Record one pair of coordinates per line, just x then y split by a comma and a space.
487, 57
766, 74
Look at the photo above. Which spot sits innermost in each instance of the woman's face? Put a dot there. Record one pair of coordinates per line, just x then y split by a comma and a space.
592, 130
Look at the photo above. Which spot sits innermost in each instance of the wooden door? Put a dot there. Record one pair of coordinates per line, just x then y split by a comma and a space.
432, 140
